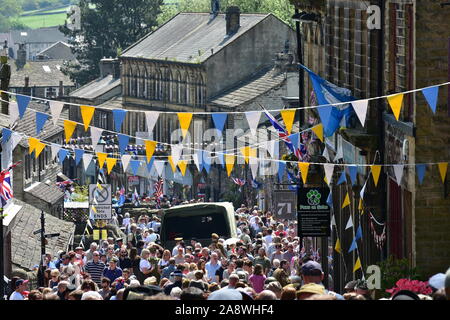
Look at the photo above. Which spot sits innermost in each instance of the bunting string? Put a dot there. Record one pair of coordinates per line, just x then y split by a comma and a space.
391, 96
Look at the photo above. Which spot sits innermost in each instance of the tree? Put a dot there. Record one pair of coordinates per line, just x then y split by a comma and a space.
283, 9
107, 27
9, 10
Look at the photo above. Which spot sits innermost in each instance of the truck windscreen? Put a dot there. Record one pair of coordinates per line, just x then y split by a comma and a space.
200, 226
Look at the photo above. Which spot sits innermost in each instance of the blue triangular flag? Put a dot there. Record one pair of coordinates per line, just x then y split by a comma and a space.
353, 171
420, 169
22, 103
62, 154
41, 118
134, 166
78, 156
281, 169
358, 233
123, 142
342, 178
150, 164
431, 95
219, 120
353, 246
221, 158
6, 134
118, 116
330, 200
206, 161
295, 139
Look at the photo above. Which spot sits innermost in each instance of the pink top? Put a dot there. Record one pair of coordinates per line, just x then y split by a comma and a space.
257, 282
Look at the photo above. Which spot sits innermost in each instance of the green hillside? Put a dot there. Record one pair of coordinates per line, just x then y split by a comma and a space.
47, 18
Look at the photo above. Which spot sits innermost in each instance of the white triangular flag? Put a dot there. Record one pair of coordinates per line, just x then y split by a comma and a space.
333, 220
126, 161
339, 154
349, 223
159, 166
150, 118
253, 162
363, 190
360, 108
176, 153
398, 170
55, 109
253, 120
196, 158
96, 133
15, 139
326, 155
55, 149
329, 168
272, 146
87, 158
13, 112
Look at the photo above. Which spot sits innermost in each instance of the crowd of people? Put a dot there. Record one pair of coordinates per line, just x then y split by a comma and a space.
265, 262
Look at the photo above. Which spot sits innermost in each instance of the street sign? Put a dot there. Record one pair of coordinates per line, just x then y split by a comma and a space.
104, 212
102, 197
285, 204
37, 231
313, 212
51, 235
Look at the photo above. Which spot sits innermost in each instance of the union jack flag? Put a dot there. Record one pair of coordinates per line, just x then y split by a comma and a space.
159, 188
283, 135
239, 182
6, 191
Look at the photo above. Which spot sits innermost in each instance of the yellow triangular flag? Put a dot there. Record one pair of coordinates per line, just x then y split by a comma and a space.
39, 147
104, 234
288, 118
245, 153
174, 168
32, 142
149, 149
304, 167
229, 162
357, 265
101, 158
360, 206
376, 169
110, 163
443, 170
87, 113
182, 164
337, 247
346, 201
69, 128
185, 122
318, 130
396, 104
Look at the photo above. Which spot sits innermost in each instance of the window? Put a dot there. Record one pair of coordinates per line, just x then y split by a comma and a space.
50, 92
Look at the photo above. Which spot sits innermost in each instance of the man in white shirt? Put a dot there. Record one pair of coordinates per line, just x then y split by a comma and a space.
21, 286
212, 266
152, 236
268, 238
178, 245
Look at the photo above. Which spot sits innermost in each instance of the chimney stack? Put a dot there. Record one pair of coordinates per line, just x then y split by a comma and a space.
21, 56
110, 66
233, 16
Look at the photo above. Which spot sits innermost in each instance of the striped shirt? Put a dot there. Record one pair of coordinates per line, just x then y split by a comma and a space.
95, 270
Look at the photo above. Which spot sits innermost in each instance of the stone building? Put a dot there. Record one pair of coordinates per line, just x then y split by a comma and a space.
41, 79
58, 51
189, 64
409, 50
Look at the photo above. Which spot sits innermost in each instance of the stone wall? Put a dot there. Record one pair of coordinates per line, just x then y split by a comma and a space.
432, 205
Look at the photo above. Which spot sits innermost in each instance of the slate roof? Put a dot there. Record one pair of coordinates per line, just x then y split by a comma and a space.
48, 193
25, 246
34, 70
58, 50
250, 88
41, 35
27, 125
113, 103
96, 88
187, 34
